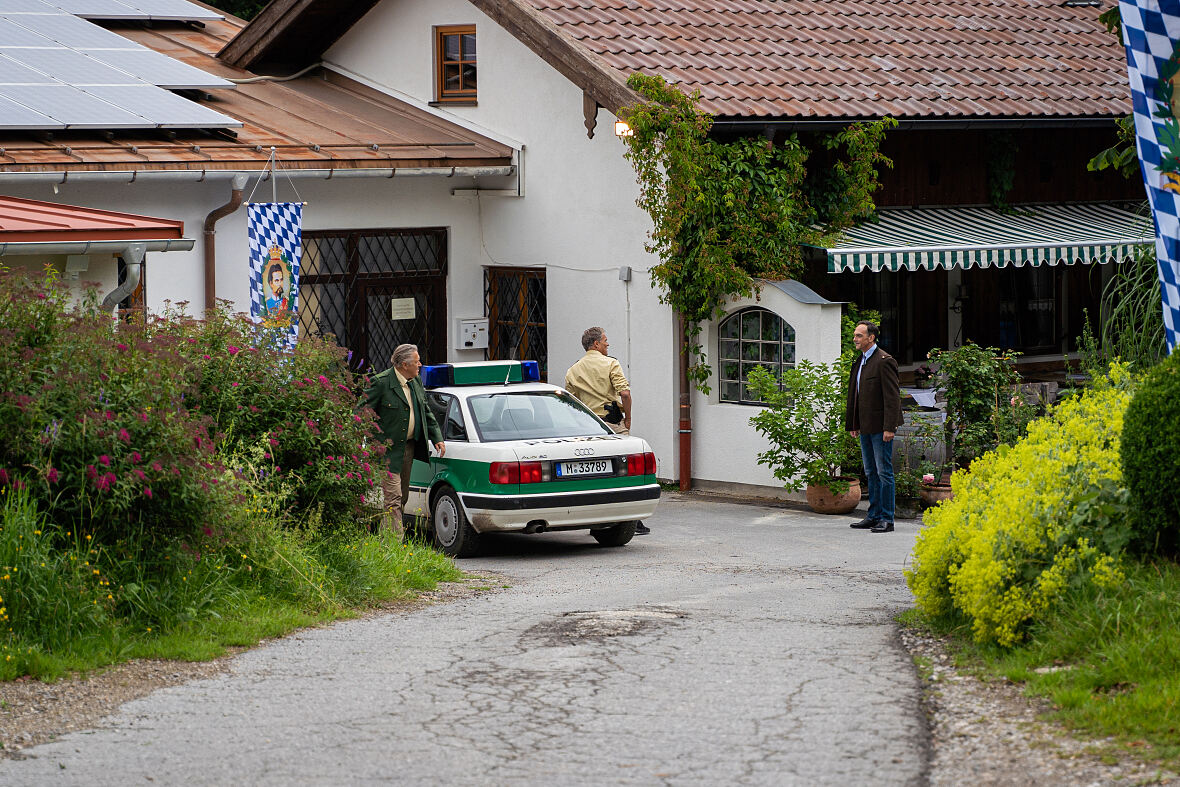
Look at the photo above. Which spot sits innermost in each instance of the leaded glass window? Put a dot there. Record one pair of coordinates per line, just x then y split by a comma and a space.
749, 338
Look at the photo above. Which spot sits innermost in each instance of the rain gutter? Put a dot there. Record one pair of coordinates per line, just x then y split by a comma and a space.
135, 176
94, 246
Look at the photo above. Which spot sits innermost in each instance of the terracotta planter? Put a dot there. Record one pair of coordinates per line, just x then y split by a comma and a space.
907, 508
821, 500
933, 494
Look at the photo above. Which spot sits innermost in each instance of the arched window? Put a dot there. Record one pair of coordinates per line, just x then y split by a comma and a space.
749, 338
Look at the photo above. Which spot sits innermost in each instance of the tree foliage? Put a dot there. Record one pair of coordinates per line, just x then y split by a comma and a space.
726, 213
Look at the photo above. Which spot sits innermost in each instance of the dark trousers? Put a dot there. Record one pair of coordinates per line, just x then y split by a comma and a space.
877, 456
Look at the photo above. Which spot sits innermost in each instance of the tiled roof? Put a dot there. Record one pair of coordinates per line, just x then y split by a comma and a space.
862, 58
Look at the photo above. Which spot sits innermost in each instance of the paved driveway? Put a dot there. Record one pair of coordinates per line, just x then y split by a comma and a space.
737, 644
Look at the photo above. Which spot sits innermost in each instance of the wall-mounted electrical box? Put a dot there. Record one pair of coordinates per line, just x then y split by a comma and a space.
472, 333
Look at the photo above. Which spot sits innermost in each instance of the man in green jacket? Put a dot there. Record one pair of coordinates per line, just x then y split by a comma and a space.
398, 398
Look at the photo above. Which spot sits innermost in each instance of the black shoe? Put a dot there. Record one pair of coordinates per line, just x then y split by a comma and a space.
641, 529
882, 527
865, 524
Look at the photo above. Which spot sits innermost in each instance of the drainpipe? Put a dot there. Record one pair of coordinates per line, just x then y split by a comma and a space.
685, 411
235, 202
132, 259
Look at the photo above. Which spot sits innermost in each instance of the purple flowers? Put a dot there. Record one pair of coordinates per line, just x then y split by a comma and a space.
124, 436
147, 491
136, 458
104, 482
105, 460
121, 347
51, 476
233, 350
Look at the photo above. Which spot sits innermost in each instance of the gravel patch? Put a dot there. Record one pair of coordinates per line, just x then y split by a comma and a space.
991, 733
33, 712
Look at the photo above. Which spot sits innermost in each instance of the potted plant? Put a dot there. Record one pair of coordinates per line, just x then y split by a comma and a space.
923, 376
804, 424
907, 482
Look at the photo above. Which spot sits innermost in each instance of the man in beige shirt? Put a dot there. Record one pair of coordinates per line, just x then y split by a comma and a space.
598, 380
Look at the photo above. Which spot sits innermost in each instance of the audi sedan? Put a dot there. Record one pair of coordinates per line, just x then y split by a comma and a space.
524, 456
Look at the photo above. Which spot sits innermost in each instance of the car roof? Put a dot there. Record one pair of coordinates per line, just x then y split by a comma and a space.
464, 391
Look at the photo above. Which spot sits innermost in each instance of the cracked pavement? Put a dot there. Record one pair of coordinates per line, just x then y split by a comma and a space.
737, 644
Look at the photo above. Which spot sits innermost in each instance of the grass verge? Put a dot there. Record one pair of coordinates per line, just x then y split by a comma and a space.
1109, 661
71, 605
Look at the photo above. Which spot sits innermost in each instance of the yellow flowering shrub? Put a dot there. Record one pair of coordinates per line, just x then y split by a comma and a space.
1026, 521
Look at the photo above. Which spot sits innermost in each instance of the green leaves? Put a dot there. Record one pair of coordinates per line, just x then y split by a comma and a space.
726, 213
803, 423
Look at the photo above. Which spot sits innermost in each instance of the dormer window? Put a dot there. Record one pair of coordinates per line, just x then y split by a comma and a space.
454, 56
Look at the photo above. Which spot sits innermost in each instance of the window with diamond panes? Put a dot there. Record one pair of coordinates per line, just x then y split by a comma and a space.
750, 338
515, 305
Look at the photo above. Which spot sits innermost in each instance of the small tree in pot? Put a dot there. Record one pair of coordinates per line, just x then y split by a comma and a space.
804, 424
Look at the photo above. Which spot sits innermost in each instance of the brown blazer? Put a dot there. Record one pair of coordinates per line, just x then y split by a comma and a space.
878, 406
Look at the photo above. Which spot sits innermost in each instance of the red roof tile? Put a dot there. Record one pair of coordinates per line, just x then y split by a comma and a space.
862, 58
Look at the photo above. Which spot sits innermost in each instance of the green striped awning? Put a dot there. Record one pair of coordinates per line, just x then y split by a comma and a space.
930, 238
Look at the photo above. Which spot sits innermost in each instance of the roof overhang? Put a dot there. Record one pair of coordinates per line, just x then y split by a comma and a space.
34, 227
967, 237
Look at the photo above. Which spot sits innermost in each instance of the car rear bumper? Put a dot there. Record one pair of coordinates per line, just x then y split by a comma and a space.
560, 509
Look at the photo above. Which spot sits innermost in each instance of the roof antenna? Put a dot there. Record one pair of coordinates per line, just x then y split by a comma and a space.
507, 376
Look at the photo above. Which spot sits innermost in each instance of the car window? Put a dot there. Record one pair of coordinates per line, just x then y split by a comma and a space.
446, 411
532, 415
454, 429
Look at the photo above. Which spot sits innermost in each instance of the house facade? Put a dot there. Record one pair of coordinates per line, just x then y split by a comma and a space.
461, 154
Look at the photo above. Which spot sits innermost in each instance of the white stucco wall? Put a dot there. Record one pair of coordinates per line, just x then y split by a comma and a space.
725, 445
578, 218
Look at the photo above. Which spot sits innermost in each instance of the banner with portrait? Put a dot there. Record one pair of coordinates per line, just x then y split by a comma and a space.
1151, 34
276, 231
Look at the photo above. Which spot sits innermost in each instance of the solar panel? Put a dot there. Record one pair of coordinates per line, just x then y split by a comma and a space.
65, 72
18, 117
164, 10
69, 66
161, 108
71, 107
156, 69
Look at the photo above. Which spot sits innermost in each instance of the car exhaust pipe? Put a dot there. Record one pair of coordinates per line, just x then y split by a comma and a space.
536, 526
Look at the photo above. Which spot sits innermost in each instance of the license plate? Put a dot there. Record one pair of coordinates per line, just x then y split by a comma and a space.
584, 467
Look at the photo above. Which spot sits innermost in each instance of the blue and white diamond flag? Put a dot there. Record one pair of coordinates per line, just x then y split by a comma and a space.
275, 230
1151, 33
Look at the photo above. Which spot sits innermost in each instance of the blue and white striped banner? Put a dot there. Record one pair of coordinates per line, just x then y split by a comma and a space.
276, 232
1151, 33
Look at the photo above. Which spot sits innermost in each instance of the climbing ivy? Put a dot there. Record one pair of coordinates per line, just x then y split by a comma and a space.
727, 213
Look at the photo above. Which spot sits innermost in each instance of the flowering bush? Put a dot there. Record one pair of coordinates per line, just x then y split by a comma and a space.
287, 419
92, 418
1028, 521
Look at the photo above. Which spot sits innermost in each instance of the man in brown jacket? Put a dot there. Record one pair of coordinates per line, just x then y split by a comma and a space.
873, 415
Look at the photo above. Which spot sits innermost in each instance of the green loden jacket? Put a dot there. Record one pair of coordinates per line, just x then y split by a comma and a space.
393, 414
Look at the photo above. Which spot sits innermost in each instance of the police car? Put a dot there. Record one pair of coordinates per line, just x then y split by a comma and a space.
524, 456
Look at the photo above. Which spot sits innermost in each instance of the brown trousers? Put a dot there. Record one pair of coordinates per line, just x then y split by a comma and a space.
396, 487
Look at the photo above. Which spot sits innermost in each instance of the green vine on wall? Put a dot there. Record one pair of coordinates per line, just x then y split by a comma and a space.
727, 213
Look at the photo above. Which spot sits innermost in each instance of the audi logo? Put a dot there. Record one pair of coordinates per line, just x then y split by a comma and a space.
583, 452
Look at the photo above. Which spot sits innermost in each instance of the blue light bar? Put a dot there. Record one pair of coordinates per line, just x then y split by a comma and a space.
531, 371
438, 376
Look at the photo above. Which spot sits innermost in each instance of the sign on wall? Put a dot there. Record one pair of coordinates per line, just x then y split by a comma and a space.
1151, 34
275, 230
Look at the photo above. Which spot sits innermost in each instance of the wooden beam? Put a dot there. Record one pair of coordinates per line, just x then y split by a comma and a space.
244, 48
590, 113
606, 85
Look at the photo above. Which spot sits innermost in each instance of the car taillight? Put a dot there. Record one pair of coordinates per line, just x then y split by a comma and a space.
530, 473
504, 473
641, 464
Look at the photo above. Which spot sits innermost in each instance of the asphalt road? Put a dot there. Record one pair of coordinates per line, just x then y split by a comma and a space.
737, 644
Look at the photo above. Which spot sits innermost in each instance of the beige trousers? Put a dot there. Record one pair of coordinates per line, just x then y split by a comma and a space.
396, 487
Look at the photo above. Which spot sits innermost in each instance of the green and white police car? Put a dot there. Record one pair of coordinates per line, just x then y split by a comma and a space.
524, 456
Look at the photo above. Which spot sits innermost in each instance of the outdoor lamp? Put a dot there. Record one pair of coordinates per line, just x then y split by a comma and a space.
622, 129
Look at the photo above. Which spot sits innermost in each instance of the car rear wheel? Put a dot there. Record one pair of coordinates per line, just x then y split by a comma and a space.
615, 536
452, 533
